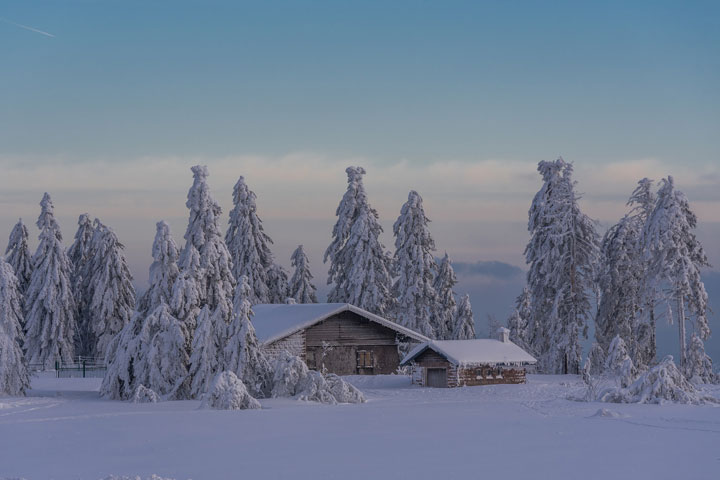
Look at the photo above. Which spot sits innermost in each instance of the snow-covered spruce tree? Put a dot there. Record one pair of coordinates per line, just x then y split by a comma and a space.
359, 267
80, 255
249, 245
204, 288
278, 286
207, 354
17, 254
243, 355
619, 364
626, 302
14, 379
464, 321
166, 357
129, 363
518, 321
562, 254
644, 350
49, 305
113, 300
676, 257
163, 270
699, 365
301, 287
446, 306
414, 267
205, 276
493, 325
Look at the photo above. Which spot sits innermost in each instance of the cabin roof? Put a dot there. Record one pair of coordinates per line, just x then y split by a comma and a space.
474, 352
273, 322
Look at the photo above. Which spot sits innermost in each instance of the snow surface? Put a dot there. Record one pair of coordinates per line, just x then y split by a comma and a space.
477, 351
276, 321
65, 431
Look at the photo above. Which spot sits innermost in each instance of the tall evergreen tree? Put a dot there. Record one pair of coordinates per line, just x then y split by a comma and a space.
446, 305
81, 258
562, 254
359, 267
49, 306
415, 297
518, 323
278, 286
624, 297
205, 267
676, 257
243, 355
464, 321
14, 378
113, 300
301, 286
203, 291
17, 254
163, 270
249, 245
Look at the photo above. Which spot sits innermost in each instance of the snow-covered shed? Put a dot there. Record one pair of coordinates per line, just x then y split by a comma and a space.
338, 337
455, 363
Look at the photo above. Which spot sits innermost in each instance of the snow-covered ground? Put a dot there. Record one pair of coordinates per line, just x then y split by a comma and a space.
63, 430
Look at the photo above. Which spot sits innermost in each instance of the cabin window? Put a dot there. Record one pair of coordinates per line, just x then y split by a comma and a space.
365, 359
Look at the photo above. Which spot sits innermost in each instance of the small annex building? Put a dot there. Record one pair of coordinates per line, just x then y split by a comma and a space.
457, 363
338, 337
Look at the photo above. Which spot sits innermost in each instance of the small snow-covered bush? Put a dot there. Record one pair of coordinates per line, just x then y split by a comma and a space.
343, 391
293, 378
229, 393
144, 395
663, 383
619, 364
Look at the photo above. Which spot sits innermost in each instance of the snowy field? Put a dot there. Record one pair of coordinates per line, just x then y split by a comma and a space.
63, 430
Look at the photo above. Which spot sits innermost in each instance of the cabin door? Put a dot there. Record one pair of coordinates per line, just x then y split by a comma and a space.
437, 377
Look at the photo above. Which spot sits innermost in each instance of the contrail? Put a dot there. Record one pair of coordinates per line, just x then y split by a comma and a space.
27, 27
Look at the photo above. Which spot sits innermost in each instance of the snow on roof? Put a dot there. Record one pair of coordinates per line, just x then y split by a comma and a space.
477, 351
275, 321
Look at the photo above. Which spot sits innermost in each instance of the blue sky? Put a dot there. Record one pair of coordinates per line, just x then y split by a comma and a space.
110, 106
418, 80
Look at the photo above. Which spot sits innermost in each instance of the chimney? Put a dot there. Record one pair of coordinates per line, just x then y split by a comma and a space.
503, 334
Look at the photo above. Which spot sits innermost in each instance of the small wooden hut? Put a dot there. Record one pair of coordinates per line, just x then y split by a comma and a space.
456, 363
336, 337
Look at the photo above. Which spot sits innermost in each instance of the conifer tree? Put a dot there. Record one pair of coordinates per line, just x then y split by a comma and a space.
81, 258
206, 352
359, 267
446, 305
166, 356
113, 300
14, 378
49, 306
415, 297
249, 246
562, 254
163, 270
676, 257
518, 324
243, 355
301, 286
17, 255
464, 322
278, 286
204, 262
618, 362
699, 365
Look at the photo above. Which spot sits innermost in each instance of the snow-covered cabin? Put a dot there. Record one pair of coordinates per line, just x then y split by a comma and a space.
456, 363
338, 337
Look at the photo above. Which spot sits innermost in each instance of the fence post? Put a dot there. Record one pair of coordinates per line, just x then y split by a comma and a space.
57, 369
83, 368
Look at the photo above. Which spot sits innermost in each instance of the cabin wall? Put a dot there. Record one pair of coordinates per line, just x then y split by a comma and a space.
294, 344
490, 375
